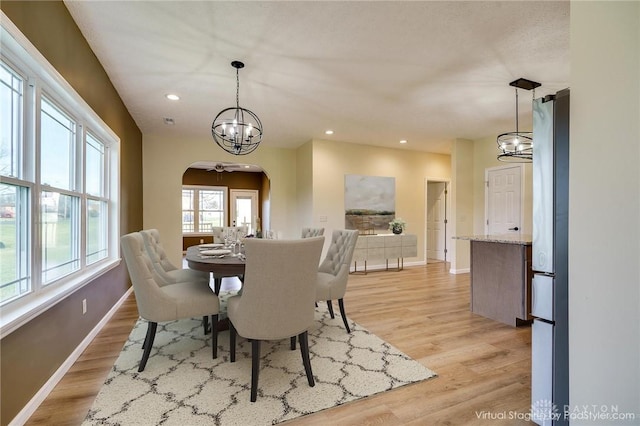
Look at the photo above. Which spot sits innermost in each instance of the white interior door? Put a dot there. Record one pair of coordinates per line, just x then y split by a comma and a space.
436, 220
244, 208
503, 200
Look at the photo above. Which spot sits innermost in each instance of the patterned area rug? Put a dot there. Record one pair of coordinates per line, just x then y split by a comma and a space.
182, 384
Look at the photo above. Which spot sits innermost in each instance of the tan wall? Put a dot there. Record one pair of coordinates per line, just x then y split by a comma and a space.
333, 160
31, 354
266, 204
462, 204
165, 161
304, 186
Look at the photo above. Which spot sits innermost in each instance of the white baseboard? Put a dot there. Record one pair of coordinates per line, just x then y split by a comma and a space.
459, 271
31, 407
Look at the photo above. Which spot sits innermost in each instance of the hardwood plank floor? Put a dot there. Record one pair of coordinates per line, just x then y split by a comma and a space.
483, 367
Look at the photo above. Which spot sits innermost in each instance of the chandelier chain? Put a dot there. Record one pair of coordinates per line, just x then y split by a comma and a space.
517, 128
237, 88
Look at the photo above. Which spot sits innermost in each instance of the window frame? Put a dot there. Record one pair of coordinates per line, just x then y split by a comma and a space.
195, 208
42, 79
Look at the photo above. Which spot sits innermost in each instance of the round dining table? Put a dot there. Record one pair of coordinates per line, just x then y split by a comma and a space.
220, 266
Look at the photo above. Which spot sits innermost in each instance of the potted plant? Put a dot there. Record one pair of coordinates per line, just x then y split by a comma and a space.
397, 225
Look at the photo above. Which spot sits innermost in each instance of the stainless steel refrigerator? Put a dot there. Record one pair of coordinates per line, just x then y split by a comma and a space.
550, 333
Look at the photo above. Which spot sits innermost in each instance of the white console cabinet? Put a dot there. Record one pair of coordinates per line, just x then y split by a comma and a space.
384, 247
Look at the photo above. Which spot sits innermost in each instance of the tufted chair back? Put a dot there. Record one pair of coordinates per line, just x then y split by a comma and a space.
312, 232
340, 252
156, 250
166, 272
220, 231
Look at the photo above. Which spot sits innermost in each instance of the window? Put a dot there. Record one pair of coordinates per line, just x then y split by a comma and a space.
203, 208
14, 194
11, 113
97, 204
14, 234
57, 147
58, 196
59, 207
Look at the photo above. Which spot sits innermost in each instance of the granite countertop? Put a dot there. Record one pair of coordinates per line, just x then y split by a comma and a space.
524, 239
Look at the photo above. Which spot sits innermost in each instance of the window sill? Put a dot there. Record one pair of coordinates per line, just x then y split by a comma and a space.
18, 313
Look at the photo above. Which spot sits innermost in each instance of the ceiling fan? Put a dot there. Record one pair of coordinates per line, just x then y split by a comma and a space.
226, 167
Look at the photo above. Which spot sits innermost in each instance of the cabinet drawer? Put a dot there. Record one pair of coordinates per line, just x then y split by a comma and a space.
392, 252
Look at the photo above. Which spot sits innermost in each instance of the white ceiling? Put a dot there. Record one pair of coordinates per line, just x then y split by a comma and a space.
374, 72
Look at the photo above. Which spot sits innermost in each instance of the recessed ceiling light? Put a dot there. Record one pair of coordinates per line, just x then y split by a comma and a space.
403, 141
173, 97
328, 132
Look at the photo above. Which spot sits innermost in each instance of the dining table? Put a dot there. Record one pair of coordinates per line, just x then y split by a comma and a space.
202, 258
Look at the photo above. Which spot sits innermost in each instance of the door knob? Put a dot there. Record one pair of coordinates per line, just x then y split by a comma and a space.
513, 229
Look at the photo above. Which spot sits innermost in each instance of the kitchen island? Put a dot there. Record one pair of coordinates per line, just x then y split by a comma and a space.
501, 277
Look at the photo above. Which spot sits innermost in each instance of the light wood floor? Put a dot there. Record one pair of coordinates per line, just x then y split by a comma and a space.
483, 367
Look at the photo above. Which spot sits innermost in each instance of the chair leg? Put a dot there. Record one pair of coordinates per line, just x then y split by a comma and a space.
214, 335
232, 342
205, 324
148, 344
146, 337
293, 343
306, 361
344, 316
330, 306
255, 368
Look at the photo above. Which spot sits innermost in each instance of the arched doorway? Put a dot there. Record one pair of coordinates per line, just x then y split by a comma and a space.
223, 194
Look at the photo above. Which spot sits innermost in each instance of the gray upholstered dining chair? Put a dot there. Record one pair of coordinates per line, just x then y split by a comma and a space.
165, 303
168, 273
312, 232
278, 298
219, 232
333, 272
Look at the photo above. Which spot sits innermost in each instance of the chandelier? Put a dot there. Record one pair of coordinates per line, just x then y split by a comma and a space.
237, 130
517, 147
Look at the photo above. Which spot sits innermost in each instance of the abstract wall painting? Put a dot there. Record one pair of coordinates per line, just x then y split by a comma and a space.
370, 203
